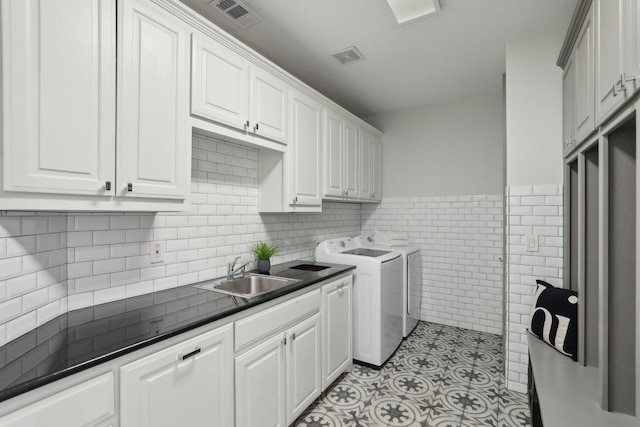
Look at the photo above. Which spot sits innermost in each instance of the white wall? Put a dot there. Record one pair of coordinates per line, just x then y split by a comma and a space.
534, 109
448, 149
534, 184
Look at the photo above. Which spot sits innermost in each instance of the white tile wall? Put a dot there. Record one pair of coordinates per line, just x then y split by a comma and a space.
32, 271
537, 211
461, 241
108, 254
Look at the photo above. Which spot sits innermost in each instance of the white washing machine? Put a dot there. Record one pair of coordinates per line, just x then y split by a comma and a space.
377, 302
411, 279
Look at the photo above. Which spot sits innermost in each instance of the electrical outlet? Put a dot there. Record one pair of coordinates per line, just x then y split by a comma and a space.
156, 252
531, 243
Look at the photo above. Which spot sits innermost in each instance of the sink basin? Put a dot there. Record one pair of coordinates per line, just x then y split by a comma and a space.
249, 286
310, 267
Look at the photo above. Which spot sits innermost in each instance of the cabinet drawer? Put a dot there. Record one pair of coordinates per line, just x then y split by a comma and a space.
264, 323
81, 405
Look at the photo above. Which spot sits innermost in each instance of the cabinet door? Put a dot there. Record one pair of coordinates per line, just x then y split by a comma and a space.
334, 155
190, 384
568, 106
583, 60
269, 103
336, 330
220, 83
87, 404
260, 385
58, 111
305, 151
376, 149
609, 57
304, 367
351, 161
154, 139
365, 165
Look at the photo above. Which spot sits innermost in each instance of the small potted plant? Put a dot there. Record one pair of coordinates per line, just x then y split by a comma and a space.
263, 252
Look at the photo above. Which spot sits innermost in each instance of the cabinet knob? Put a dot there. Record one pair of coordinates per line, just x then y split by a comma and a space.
130, 187
255, 128
246, 125
295, 199
107, 186
293, 337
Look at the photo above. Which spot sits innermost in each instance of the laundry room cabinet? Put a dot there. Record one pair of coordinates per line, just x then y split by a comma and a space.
341, 157
370, 170
188, 384
94, 106
337, 328
279, 378
228, 89
617, 60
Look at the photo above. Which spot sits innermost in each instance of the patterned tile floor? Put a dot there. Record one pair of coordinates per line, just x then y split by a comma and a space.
440, 376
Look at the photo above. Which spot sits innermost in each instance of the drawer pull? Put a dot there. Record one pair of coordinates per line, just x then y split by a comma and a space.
193, 353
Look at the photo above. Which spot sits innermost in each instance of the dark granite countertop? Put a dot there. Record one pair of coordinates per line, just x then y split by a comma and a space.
87, 337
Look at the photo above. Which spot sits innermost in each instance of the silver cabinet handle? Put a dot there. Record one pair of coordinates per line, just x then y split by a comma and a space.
107, 186
246, 125
293, 337
130, 187
255, 128
295, 199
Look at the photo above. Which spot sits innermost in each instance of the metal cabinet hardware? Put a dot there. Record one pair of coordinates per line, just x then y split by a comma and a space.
191, 354
107, 186
295, 199
284, 341
346, 193
129, 187
246, 125
293, 337
255, 128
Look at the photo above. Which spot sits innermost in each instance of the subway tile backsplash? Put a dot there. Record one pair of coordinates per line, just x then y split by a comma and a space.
530, 211
51, 262
461, 240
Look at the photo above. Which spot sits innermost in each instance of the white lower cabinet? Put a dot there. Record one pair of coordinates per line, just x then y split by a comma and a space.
303, 366
260, 385
88, 404
277, 379
336, 329
189, 384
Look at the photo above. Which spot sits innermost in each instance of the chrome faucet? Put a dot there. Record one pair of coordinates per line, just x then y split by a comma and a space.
232, 270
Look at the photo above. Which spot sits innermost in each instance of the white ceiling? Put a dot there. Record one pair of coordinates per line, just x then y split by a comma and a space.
457, 53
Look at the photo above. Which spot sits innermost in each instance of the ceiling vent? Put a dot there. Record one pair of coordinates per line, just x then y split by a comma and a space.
237, 11
349, 54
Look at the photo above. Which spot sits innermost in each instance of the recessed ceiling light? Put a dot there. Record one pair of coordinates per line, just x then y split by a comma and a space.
349, 54
409, 10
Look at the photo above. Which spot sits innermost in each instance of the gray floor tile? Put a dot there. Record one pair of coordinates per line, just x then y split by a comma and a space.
441, 376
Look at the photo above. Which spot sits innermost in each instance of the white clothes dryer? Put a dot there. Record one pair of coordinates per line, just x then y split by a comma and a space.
411, 280
377, 302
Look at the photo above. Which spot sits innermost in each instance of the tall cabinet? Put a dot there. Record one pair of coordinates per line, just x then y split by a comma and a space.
600, 117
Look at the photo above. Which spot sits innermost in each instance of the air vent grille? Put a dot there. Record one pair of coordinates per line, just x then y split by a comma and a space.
237, 11
349, 54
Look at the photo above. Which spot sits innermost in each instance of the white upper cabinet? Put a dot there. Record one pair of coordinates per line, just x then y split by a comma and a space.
67, 144
154, 141
376, 168
269, 106
341, 160
305, 155
584, 84
569, 106
616, 54
220, 79
334, 155
228, 89
365, 164
59, 89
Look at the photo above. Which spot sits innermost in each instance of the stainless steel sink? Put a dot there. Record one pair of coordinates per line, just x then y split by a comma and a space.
249, 286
